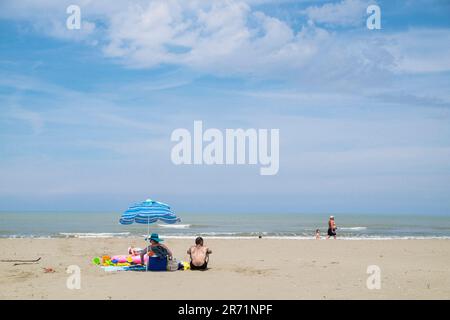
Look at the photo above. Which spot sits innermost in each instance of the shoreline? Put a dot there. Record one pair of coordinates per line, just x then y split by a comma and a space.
190, 237
224, 226
259, 269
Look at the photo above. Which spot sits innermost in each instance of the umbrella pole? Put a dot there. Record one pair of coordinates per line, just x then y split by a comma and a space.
148, 234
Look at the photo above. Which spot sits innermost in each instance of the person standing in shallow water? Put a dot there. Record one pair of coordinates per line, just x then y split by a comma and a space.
331, 228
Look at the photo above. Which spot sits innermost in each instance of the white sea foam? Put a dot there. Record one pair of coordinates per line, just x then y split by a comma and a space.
230, 236
94, 235
174, 226
352, 228
22, 236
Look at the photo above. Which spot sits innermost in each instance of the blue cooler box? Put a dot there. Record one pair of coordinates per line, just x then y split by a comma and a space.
157, 264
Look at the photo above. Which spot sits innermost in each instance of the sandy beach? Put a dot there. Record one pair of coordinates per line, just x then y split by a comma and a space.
239, 269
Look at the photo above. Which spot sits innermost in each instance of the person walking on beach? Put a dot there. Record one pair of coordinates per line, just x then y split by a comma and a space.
199, 255
331, 228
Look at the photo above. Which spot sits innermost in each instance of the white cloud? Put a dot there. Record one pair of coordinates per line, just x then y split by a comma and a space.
218, 37
234, 38
229, 38
344, 13
421, 50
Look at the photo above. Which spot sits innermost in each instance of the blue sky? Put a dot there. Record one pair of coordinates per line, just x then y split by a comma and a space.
86, 115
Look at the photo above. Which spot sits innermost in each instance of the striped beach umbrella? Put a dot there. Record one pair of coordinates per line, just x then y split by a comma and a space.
149, 212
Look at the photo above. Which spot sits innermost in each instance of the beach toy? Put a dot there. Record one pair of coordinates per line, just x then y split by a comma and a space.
120, 258
49, 270
125, 264
106, 258
129, 259
186, 265
96, 261
108, 263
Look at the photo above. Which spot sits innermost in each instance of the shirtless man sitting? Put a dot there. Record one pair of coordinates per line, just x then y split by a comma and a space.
199, 255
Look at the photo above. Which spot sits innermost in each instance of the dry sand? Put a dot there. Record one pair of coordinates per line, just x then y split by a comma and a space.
240, 269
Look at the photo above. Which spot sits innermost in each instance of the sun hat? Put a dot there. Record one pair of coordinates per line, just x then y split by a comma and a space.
154, 237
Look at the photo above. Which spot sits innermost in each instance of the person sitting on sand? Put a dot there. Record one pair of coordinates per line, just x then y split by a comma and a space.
199, 255
156, 248
331, 228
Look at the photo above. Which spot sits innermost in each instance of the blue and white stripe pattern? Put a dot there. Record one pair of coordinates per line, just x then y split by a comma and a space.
148, 212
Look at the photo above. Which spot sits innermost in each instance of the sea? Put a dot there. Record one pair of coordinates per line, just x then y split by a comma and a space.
225, 226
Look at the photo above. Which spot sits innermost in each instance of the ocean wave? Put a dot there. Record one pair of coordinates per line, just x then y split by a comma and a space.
94, 235
362, 238
24, 236
174, 226
184, 232
352, 228
376, 237
226, 236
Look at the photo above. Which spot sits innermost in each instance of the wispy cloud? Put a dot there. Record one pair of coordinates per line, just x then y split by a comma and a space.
34, 119
420, 50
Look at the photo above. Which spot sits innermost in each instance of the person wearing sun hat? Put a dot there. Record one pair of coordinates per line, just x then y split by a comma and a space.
154, 238
156, 248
